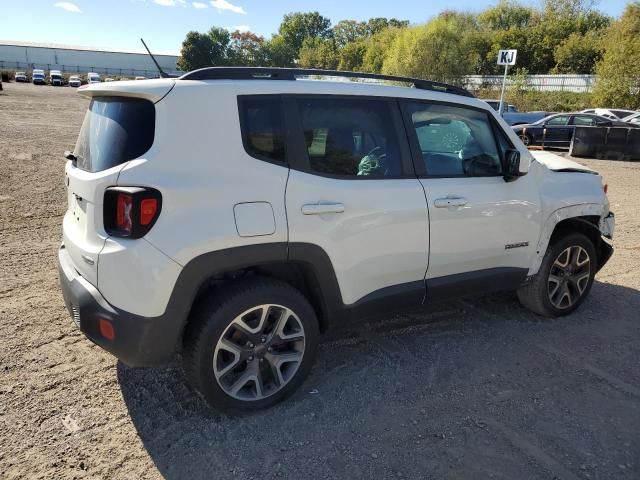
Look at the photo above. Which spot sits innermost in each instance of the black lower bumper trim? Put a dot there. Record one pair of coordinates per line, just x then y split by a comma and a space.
605, 250
139, 341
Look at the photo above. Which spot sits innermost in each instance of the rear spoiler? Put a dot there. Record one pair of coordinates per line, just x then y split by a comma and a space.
152, 90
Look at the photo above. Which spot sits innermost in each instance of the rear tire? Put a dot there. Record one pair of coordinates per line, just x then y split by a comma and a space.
250, 345
564, 278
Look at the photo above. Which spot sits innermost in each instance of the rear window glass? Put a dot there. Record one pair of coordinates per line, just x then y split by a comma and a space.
115, 130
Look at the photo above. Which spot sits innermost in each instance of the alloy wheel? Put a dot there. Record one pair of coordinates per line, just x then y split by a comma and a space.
259, 352
569, 277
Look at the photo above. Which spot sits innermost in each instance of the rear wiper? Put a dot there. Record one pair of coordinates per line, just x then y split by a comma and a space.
70, 156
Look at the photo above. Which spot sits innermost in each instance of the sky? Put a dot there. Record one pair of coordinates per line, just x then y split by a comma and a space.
118, 24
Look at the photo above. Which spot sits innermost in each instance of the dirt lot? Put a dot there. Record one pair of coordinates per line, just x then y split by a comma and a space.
473, 389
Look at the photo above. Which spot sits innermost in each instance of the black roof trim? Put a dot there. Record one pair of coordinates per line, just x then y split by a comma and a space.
267, 73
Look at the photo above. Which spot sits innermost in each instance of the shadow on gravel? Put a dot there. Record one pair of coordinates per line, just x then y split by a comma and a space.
447, 393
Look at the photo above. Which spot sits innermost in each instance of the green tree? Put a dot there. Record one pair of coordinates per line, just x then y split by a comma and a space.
351, 56
578, 53
569, 8
377, 48
318, 53
435, 50
507, 14
619, 70
245, 49
347, 31
201, 50
295, 27
378, 24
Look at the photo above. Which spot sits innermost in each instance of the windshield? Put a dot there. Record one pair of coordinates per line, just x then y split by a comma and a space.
115, 130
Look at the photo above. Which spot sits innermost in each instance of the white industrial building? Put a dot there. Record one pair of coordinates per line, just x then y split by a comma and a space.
73, 59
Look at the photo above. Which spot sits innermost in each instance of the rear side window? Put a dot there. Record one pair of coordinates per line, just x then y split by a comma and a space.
350, 137
115, 130
583, 120
262, 128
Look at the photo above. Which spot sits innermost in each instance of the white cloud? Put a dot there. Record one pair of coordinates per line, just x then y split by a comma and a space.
199, 5
242, 28
224, 5
68, 6
165, 3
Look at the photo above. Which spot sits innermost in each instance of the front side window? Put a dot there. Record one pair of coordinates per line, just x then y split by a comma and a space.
350, 137
455, 141
559, 121
583, 120
262, 128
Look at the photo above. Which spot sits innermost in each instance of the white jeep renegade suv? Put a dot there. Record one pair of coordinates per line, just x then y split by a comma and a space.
234, 214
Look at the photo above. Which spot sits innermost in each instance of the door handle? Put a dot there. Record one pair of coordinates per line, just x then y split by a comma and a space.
322, 208
450, 202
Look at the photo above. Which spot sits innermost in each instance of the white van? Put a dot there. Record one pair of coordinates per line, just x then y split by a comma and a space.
38, 77
74, 81
93, 77
55, 78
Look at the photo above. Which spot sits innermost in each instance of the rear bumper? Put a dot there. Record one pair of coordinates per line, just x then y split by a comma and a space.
138, 341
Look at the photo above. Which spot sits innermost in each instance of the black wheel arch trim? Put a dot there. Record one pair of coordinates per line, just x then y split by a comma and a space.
321, 284
144, 341
319, 279
586, 225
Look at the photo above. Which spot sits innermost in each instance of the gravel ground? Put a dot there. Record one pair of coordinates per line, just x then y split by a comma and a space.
478, 388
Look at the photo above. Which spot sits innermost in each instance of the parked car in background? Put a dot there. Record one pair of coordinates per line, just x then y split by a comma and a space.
38, 78
612, 114
512, 116
108, 79
55, 78
634, 118
93, 77
74, 81
21, 77
560, 127
140, 78
495, 104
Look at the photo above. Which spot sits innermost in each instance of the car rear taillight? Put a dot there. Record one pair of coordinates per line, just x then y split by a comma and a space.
130, 212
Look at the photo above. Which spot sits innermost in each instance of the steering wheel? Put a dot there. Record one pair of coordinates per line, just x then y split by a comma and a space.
452, 141
374, 163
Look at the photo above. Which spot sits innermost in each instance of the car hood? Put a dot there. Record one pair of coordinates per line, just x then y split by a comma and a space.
559, 164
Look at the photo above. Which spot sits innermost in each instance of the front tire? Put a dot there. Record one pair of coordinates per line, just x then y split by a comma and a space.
564, 279
251, 345
527, 139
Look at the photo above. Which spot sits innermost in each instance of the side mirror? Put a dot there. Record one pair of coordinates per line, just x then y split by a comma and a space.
511, 167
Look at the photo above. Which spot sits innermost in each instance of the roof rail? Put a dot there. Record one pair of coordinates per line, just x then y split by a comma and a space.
269, 73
